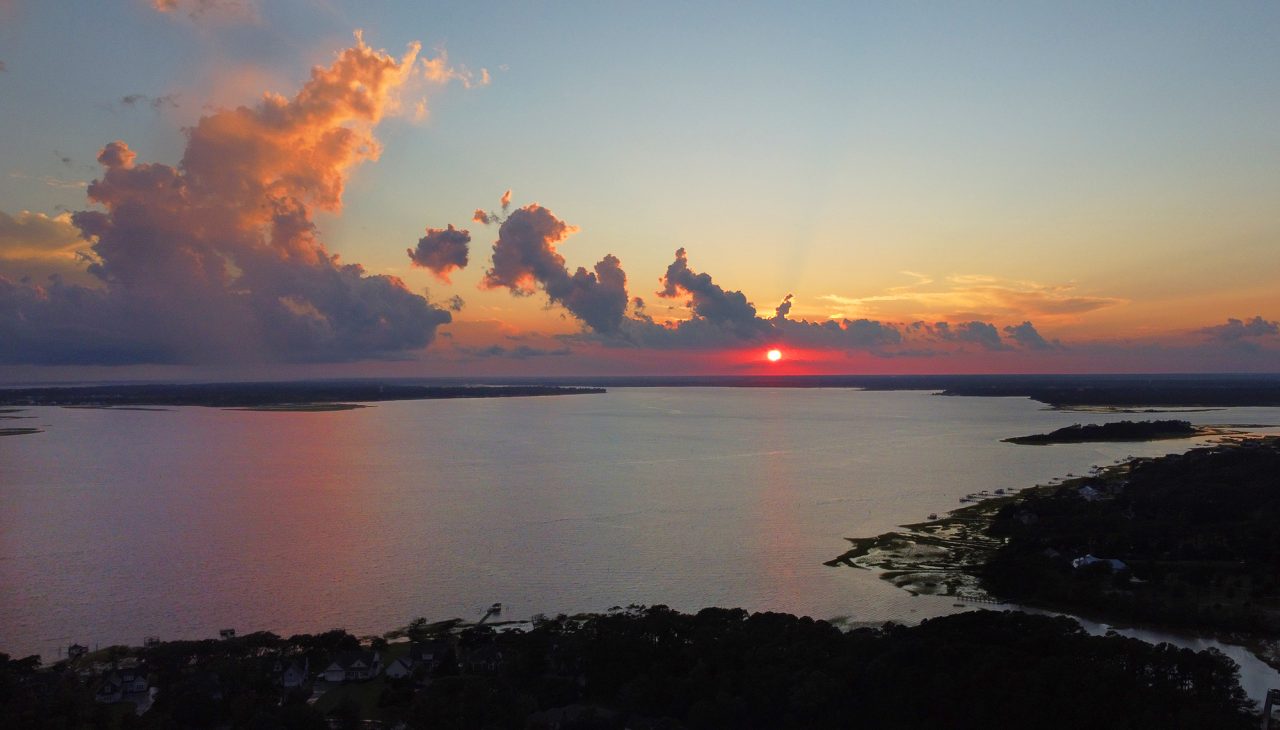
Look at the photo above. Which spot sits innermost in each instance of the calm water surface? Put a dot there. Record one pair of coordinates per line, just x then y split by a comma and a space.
115, 525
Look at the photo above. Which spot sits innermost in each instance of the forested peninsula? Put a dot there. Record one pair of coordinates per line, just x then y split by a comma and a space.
1180, 541
1117, 431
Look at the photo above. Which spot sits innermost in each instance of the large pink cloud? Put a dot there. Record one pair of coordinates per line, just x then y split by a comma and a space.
218, 258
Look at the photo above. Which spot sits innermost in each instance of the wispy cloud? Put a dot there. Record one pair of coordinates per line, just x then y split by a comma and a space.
224, 11
976, 296
52, 181
31, 236
519, 352
157, 103
438, 70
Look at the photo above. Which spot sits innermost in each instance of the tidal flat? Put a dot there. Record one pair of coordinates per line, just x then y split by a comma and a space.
19, 431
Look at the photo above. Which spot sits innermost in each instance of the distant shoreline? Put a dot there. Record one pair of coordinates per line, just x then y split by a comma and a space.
293, 397
1100, 393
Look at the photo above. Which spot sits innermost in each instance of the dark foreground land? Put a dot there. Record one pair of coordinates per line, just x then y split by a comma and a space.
266, 396
653, 668
1181, 541
1118, 431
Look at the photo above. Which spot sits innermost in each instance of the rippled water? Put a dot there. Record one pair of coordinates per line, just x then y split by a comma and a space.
115, 525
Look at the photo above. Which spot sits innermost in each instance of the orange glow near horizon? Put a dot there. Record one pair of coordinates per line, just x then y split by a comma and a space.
774, 355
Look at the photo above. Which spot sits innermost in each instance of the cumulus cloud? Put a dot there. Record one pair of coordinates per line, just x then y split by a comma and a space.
442, 251
456, 304
1236, 330
725, 318
728, 310
981, 333
1025, 335
218, 258
784, 308
525, 259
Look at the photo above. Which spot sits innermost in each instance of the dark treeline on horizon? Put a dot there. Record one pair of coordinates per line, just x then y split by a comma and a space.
250, 395
1137, 390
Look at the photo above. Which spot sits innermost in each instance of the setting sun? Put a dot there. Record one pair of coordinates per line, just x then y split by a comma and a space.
774, 355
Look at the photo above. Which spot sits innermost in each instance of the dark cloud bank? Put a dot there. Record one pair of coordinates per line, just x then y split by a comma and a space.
525, 260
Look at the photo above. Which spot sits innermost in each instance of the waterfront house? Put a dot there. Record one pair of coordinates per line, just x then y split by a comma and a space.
290, 672
133, 680
353, 666
111, 690
400, 667
422, 655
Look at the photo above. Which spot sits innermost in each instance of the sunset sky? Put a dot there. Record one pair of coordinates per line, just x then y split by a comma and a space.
869, 188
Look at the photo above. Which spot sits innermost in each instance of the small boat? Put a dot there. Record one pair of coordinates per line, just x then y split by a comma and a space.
933, 515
